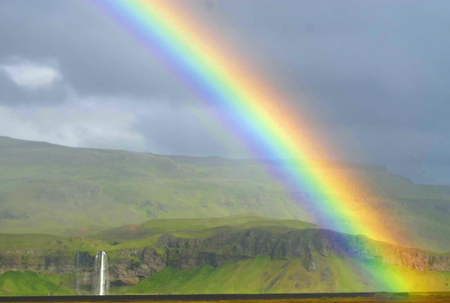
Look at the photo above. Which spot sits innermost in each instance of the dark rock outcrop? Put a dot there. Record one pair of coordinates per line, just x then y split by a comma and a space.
40, 261
304, 244
132, 265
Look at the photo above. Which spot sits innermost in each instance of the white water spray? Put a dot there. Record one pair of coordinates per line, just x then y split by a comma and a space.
82, 266
101, 274
78, 272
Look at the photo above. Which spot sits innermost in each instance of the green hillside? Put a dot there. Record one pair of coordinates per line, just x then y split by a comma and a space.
262, 275
143, 234
68, 245
14, 283
259, 275
58, 190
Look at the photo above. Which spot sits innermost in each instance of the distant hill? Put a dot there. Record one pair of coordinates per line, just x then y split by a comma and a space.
52, 189
216, 161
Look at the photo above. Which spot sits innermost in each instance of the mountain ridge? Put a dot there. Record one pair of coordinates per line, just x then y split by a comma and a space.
182, 159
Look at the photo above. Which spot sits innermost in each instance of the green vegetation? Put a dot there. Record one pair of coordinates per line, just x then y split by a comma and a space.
14, 283
51, 189
140, 235
259, 275
136, 236
262, 275
331, 273
58, 190
68, 245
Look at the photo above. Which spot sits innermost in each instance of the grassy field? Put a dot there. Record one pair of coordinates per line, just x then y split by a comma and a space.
14, 283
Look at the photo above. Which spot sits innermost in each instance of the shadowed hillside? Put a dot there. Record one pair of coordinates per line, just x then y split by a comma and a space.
46, 188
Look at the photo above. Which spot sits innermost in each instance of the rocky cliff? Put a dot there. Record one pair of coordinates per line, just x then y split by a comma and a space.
304, 244
311, 246
40, 261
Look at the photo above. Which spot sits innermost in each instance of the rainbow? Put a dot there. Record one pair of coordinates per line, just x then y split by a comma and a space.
261, 115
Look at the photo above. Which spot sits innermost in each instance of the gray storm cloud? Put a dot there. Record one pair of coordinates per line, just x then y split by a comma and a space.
373, 74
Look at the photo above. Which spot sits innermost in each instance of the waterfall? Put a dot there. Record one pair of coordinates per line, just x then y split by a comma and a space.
101, 274
78, 272
82, 265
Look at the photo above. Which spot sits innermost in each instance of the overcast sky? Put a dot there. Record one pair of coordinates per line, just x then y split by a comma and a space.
375, 74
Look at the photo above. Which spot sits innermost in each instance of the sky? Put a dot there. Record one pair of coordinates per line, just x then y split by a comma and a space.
372, 75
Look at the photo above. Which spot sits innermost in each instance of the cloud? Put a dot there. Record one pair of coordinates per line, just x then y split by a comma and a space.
31, 75
95, 56
76, 123
122, 123
39, 81
375, 74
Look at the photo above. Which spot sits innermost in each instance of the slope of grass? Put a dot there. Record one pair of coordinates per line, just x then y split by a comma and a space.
53, 189
70, 245
139, 236
14, 283
261, 275
148, 232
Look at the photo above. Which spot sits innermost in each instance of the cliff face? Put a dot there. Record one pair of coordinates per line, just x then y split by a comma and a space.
129, 266
126, 267
303, 244
40, 261
132, 265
